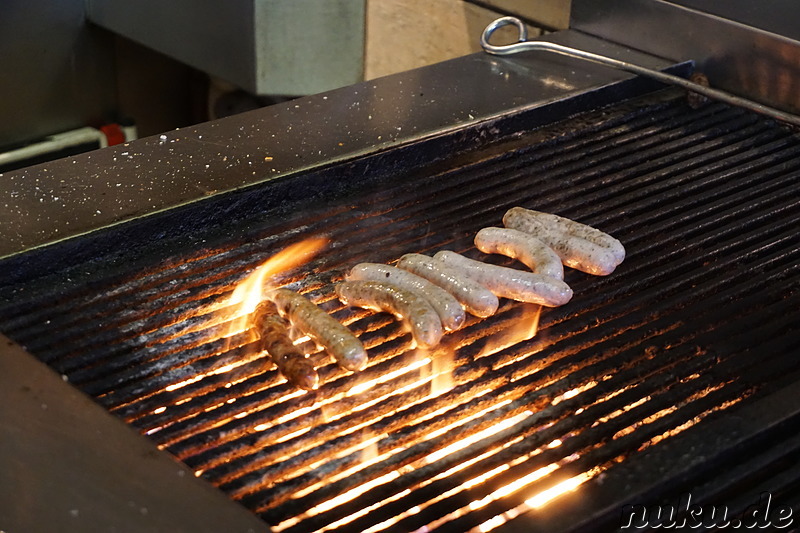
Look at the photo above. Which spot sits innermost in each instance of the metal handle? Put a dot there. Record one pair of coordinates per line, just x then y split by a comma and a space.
524, 45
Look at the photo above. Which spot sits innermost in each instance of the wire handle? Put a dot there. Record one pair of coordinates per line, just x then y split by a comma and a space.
524, 45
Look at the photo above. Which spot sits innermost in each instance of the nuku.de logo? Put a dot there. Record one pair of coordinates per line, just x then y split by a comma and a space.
762, 514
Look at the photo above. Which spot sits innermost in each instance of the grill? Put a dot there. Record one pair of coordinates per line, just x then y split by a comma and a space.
495, 428
674, 377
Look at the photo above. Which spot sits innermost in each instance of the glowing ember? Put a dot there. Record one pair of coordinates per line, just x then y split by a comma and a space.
475, 437
434, 456
524, 327
558, 490
574, 392
365, 386
216, 371
539, 500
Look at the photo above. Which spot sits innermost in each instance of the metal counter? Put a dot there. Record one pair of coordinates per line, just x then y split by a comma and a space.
66, 465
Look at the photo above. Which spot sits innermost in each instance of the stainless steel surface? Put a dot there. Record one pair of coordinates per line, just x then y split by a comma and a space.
778, 16
66, 465
741, 59
58, 74
523, 45
54, 201
285, 47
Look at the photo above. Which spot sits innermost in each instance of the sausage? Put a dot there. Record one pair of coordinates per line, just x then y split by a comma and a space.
475, 298
447, 307
274, 338
583, 231
574, 251
321, 327
509, 282
420, 315
523, 247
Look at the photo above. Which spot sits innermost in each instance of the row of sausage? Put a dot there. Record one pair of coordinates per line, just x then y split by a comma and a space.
433, 294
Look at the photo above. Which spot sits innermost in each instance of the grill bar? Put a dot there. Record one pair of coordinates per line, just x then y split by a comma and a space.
571, 377
755, 237
132, 327
754, 191
161, 349
698, 197
564, 344
602, 452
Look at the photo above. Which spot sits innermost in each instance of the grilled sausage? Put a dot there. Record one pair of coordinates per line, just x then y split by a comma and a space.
321, 327
447, 307
575, 251
274, 337
420, 315
509, 282
577, 229
475, 298
523, 247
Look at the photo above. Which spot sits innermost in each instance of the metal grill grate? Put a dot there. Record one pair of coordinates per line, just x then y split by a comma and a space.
698, 319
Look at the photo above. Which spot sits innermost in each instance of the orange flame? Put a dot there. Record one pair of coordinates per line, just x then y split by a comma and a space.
523, 327
237, 309
250, 292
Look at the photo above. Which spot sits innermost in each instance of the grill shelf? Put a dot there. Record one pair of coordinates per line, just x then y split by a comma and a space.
698, 321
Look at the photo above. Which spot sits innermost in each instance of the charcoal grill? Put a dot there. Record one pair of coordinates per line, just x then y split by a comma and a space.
675, 375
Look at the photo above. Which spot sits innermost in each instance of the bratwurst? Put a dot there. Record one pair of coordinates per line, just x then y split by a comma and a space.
273, 331
579, 246
476, 299
321, 327
523, 247
447, 307
509, 282
418, 313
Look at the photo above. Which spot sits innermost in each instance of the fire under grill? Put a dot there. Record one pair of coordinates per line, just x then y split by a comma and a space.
496, 423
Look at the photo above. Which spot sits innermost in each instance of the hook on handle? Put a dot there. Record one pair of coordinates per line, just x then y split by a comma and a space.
523, 44
504, 48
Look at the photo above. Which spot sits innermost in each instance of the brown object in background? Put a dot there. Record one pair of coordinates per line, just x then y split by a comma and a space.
274, 333
695, 100
407, 34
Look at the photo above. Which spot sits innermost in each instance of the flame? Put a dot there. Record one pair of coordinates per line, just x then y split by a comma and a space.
237, 310
523, 326
234, 312
250, 292
442, 366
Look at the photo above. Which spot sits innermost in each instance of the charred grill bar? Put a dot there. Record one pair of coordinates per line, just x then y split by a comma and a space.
673, 374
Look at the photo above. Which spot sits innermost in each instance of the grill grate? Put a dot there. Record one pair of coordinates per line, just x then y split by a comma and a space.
698, 319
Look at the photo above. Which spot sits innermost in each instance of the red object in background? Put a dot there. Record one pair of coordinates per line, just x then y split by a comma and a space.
113, 133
